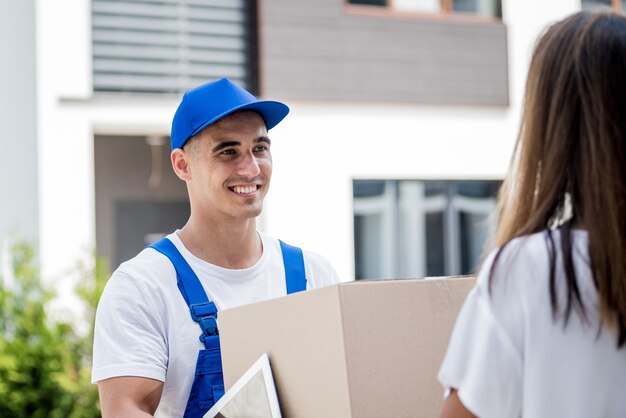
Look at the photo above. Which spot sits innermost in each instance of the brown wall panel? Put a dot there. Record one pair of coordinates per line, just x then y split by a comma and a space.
321, 50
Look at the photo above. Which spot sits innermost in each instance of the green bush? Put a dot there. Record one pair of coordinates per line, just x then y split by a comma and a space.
44, 364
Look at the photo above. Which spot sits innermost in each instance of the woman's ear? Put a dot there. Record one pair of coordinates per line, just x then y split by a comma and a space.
180, 164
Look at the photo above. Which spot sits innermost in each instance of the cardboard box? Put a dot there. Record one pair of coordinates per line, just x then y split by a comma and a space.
359, 349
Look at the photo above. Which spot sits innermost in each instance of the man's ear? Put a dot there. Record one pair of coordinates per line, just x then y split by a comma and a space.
180, 164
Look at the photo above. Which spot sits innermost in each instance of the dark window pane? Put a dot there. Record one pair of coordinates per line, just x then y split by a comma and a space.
435, 258
367, 246
367, 188
370, 2
464, 6
595, 4
434, 188
478, 188
479, 7
358, 250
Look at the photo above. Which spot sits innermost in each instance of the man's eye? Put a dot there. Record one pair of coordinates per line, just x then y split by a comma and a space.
261, 148
228, 152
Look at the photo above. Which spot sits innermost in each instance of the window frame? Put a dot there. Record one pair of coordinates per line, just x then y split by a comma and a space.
402, 208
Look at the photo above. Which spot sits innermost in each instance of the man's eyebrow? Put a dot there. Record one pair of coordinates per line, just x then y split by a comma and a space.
225, 144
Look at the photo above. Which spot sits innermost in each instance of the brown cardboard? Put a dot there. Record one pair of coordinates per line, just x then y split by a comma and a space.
359, 349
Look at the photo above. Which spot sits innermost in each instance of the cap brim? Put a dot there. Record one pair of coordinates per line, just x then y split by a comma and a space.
271, 111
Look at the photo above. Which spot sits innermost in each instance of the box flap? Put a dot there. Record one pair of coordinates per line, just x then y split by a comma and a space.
302, 333
396, 333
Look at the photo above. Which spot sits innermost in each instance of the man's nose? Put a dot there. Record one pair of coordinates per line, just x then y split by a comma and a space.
249, 166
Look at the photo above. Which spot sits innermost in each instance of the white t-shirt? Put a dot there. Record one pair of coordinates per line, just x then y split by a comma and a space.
507, 357
143, 325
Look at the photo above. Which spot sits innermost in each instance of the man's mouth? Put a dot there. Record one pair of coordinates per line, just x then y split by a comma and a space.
245, 189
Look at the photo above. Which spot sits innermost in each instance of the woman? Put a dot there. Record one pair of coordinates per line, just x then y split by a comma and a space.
543, 334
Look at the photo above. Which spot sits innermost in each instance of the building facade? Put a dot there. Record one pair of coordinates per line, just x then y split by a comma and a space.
403, 117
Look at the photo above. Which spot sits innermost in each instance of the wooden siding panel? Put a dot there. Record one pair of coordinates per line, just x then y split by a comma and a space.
316, 50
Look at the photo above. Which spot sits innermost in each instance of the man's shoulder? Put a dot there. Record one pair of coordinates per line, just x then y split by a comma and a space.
145, 281
149, 265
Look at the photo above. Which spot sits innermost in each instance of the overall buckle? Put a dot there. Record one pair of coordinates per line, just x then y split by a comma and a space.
205, 314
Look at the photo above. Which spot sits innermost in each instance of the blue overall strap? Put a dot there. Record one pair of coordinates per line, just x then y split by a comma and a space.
294, 268
208, 382
203, 311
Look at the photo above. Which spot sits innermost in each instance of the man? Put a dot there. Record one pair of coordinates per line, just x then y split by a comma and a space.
148, 359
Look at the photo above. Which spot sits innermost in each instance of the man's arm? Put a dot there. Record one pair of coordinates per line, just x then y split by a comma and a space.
129, 397
454, 408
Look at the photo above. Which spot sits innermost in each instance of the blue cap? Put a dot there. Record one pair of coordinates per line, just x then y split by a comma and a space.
210, 102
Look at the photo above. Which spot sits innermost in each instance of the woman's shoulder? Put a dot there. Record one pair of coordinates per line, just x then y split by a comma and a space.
531, 251
520, 254
524, 264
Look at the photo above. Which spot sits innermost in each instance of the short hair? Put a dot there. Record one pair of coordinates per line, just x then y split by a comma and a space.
192, 146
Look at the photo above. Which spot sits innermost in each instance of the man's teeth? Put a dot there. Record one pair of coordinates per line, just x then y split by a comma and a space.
244, 189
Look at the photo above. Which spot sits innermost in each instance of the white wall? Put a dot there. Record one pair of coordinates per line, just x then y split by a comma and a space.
321, 148
68, 118
318, 150
18, 127
63, 70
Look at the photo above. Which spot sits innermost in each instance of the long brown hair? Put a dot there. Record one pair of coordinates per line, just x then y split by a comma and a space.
571, 155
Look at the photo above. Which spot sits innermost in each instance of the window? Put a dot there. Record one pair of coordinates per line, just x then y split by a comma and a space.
485, 8
370, 2
601, 4
408, 228
168, 46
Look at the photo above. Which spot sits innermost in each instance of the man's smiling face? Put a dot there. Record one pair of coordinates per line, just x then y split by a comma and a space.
230, 167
